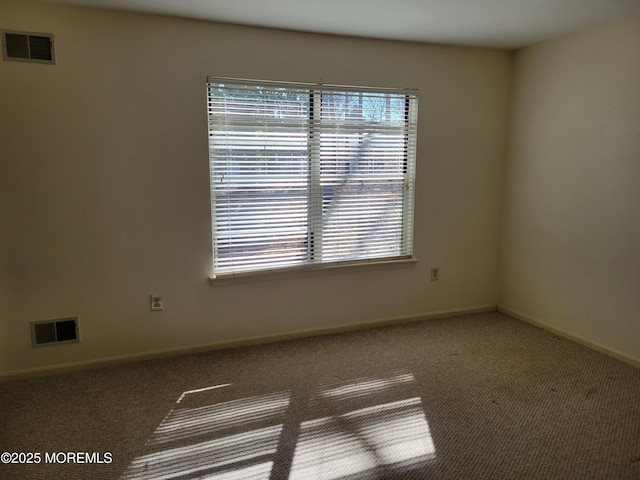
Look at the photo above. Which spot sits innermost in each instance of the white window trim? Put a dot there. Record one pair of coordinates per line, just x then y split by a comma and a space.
312, 269
401, 261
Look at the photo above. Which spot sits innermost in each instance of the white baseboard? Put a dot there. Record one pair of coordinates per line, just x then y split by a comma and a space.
240, 342
569, 336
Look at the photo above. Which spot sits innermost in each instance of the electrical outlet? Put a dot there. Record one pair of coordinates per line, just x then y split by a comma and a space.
157, 303
435, 274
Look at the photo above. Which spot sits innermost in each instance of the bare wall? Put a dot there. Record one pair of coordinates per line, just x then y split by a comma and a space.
571, 237
105, 157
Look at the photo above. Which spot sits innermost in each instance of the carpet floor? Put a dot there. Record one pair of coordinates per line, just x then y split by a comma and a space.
473, 397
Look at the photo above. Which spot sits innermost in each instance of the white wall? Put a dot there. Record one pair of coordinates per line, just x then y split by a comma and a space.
6, 285
571, 243
105, 157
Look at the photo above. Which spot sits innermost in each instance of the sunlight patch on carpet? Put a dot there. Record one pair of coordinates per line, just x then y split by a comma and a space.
364, 427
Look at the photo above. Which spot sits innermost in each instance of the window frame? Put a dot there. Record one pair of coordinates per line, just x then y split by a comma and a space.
405, 258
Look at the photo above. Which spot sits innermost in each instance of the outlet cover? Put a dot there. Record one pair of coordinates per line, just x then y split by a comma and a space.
157, 303
435, 274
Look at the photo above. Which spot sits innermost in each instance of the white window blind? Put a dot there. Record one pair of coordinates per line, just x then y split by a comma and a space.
309, 175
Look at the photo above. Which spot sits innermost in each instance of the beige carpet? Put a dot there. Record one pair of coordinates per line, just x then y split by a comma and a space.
474, 397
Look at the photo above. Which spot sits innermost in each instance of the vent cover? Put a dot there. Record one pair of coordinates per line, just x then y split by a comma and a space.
28, 47
54, 332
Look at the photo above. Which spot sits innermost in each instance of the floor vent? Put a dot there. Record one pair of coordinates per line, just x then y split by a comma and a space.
28, 47
54, 332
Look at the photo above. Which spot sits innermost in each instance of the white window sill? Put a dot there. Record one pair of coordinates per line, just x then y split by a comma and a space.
311, 270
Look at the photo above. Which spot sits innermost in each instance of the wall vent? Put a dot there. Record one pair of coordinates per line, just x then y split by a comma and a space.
54, 332
28, 47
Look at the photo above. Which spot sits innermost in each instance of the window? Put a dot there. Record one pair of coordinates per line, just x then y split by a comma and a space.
309, 175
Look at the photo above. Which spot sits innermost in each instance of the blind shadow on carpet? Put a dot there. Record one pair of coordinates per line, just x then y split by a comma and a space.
371, 427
